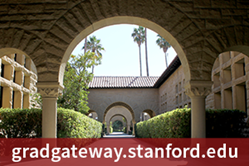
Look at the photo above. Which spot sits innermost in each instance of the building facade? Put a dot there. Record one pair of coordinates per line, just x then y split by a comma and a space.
17, 82
230, 85
166, 93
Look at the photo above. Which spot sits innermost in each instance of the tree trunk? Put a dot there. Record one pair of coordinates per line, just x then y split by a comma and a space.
166, 60
140, 60
85, 45
92, 69
146, 53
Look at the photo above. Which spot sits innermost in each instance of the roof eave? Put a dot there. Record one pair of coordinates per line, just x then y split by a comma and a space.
168, 72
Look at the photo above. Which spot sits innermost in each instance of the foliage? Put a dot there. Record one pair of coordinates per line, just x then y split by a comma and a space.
36, 100
124, 129
110, 128
117, 125
72, 124
27, 123
139, 37
21, 123
162, 43
76, 80
177, 124
93, 45
226, 123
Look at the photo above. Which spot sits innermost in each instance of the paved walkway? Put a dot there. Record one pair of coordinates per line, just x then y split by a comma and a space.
118, 135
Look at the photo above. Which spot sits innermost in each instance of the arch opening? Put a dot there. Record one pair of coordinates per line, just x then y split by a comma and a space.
122, 110
147, 114
229, 90
18, 80
93, 114
122, 106
124, 20
119, 122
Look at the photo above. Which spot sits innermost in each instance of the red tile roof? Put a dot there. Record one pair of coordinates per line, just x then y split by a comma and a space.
122, 82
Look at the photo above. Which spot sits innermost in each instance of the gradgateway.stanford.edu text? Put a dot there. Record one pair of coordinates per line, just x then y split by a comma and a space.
58, 153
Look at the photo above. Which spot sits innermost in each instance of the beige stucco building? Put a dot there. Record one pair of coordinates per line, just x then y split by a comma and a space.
18, 80
230, 76
167, 92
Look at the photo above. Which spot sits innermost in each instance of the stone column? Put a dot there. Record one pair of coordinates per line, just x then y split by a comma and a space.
133, 127
107, 129
247, 92
197, 91
49, 92
128, 128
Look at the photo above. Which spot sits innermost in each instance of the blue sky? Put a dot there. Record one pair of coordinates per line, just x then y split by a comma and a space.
121, 55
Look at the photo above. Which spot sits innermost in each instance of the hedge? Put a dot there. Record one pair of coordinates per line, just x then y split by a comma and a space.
220, 123
27, 123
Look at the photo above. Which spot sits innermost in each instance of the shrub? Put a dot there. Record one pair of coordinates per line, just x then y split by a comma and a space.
27, 123
226, 123
177, 124
124, 129
111, 129
73, 124
21, 123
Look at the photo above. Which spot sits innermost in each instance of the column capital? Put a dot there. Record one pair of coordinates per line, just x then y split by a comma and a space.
49, 89
198, 88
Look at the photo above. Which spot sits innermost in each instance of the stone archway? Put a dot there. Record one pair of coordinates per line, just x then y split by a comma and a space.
197, 30
120, 104
120, 109
125, 20
120, 118
93, 114
148, 112
19, 77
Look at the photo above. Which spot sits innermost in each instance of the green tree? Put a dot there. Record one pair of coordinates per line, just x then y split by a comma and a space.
162, 43
93, 45
117, 125
76, 80
139, 38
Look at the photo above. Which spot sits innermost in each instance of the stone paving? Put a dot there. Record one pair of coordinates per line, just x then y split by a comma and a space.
119, 135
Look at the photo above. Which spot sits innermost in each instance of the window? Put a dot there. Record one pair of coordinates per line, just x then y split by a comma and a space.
1, 96
14, 78
15, 56
13, 98
2, 71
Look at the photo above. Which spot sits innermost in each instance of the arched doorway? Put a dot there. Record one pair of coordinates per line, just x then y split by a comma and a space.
93, 114
147, 114
119, 109
119, 122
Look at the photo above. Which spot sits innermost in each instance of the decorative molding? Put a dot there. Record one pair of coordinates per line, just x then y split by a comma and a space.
198, 88
49, 89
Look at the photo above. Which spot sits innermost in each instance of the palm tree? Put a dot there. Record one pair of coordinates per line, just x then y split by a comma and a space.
162, 43
94, 45
146, 52
139, 38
